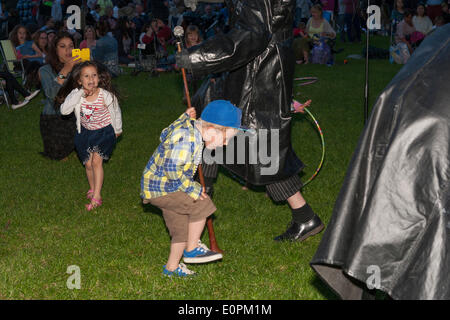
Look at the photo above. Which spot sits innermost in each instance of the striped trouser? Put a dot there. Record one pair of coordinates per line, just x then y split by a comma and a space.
278, 191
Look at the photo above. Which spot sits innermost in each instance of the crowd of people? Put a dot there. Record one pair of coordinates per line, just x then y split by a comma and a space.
82, 110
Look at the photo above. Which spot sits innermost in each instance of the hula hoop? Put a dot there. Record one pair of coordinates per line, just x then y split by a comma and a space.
306, 80
323, 147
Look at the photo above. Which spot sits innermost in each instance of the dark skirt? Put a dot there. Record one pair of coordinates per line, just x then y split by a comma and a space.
57, 135
101, 141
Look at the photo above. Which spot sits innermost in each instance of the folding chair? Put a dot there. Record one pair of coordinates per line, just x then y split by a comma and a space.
10, 58
3, 94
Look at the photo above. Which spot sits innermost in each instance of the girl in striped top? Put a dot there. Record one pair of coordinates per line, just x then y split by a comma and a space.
99, 121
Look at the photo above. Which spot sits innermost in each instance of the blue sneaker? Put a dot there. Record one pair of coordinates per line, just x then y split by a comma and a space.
181, 271
201, 254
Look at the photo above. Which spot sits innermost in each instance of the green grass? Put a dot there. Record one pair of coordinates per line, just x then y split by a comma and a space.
121, 247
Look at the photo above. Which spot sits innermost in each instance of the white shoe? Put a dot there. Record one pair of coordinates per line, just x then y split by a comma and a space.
31, 96
19, 105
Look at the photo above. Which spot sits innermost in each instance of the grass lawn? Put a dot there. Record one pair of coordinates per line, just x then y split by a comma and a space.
121, 247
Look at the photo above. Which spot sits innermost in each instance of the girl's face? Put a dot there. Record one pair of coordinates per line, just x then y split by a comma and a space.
22, 35
43, 40
399, 4
89, 78
64, 49
420, 11
192, 37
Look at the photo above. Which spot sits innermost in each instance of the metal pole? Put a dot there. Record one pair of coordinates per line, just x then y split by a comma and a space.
366, 89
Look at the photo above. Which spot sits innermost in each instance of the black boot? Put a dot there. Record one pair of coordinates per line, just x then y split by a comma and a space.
304, 224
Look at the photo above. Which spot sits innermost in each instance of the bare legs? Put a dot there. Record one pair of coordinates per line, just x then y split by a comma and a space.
296, 201
177, 249
94, 174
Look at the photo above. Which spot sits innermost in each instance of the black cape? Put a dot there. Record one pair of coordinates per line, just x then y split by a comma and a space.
256, 63
390, 224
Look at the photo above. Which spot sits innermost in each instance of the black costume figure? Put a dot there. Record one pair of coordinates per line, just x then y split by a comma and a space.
390, 228
256, 63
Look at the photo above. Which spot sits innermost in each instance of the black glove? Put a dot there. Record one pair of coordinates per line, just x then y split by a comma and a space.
182, 59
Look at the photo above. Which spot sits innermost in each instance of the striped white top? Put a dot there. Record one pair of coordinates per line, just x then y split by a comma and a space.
95, 115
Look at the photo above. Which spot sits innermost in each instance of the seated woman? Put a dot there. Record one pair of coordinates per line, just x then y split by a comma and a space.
27, 49
155, 38
25, 46
106, 49
123, 35
57, 131
11, 86
405, 32
422, 22
317, 29
90, 38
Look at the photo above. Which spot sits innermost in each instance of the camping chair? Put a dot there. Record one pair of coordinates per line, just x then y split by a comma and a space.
3, 94
10, 59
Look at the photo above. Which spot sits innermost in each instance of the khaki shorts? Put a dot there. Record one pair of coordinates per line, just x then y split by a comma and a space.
179, 210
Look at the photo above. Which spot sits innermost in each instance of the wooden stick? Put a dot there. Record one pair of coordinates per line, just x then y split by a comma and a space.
209, 222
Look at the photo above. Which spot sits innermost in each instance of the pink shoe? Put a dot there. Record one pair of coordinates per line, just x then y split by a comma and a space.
95, 203
90, 194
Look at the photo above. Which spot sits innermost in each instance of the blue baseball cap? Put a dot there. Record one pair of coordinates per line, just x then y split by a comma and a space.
224, 113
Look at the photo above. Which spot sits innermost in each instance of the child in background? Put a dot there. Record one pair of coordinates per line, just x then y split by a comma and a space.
168, 180
300, 31
88, 93
192, 37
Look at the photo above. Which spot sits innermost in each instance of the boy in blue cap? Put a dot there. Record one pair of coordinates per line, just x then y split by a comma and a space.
168, 180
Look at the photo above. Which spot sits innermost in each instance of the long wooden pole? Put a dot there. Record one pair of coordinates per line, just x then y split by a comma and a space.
209, 222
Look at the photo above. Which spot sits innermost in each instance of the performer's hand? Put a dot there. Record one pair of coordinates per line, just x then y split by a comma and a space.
191, 113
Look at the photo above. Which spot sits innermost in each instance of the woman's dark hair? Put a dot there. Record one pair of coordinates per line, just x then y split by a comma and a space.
103, 26
13, 35
52, 57
72, 82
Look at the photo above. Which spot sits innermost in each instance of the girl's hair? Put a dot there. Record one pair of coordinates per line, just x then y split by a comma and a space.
15, 38
36, 37
146, 26
52, 57
72, 82
122, 25
424, 8
92, 28
317, 7
192, 29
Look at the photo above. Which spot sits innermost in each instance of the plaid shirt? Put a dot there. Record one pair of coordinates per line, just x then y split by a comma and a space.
173, 164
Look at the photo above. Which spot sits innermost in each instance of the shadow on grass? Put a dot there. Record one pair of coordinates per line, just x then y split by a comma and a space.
324, 289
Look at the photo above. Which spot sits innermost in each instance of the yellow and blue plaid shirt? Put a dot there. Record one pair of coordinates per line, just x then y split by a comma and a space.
173, 164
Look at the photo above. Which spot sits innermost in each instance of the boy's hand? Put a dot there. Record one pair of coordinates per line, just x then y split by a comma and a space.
191, 113
203, 196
